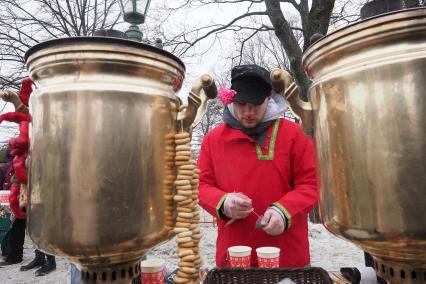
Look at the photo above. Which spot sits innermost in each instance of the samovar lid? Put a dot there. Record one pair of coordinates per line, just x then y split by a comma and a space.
101, 40
418, 12
387, 27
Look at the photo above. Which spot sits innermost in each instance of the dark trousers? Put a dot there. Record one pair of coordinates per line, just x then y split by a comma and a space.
4, 243
14, 241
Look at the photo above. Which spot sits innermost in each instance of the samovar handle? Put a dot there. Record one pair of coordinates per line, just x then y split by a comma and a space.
202, 90
283, 83
12, 97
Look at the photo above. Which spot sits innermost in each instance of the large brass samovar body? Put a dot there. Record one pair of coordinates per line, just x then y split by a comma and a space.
104, 115
369, 104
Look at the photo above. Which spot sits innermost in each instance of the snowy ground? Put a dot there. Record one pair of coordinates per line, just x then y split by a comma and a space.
327, 251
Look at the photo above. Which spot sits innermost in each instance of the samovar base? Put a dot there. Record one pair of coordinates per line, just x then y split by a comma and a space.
400, 273
117, 273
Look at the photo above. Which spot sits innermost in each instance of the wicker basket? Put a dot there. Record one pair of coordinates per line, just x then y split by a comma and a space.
314, 275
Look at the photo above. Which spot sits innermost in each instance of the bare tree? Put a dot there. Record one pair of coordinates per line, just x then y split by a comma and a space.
264, 50
314, 20
24, 23
256, 18
414, 3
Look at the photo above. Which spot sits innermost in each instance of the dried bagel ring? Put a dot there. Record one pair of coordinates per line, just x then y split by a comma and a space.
184, 147
181, 280
187, 167
181, 135
182, 141
185, 252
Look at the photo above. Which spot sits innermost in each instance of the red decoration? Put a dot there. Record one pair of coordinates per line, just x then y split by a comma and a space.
268, 262
240, 261
226, 95
19, 146
25, 91
153, 278
178, 83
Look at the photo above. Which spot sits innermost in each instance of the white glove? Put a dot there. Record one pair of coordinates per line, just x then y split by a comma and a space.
274, 221
237, 205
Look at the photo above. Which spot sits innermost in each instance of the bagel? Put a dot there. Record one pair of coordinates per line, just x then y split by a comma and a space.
181, 135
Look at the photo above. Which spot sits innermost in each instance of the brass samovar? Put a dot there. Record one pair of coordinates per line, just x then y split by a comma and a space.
103, 114
368, 115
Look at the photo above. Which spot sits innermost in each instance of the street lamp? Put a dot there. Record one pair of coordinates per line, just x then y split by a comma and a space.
134, 12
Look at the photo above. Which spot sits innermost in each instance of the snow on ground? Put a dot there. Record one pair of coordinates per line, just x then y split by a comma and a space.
11, 274
331, 252
327, 251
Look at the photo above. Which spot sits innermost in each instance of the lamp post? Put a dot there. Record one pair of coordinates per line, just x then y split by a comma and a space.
134, 12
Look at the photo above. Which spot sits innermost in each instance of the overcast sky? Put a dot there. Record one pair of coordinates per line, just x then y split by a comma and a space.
209, 56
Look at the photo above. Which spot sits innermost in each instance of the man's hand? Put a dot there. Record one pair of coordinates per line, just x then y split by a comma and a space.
237, 206
274, 222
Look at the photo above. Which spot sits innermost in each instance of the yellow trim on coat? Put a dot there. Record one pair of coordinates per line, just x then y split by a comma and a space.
285, 212
219, 205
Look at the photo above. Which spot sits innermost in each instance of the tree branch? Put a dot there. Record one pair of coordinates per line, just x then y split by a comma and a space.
223, 27
289, 42
318, 19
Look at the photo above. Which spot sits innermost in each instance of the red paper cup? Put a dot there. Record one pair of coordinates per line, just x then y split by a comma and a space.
4, 197
268, 257
152, 271
239, 256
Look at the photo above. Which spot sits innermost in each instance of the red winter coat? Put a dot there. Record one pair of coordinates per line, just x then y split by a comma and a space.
284, 175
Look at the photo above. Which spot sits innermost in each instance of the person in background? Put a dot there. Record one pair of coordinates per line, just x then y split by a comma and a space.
14, 240
6, 172
258, 164
19, 147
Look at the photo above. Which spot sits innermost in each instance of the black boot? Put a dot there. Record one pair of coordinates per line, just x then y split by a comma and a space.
352, 274
48, 267
39, 260
10, 261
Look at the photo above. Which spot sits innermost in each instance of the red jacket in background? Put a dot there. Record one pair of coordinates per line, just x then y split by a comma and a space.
283, 173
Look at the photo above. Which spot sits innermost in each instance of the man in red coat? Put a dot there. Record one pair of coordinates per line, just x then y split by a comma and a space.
257, 163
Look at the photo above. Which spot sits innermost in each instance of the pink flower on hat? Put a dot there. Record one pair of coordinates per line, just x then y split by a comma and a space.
226, 95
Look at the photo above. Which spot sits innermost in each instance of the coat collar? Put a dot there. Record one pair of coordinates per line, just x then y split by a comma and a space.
230, 134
